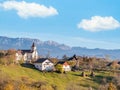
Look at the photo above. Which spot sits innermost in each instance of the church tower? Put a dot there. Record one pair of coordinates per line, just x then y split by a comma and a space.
33, 47
34, 51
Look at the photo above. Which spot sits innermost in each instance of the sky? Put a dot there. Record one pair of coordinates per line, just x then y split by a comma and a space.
81, 23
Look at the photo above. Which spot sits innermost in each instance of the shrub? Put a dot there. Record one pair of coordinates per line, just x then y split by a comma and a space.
111, 87
59, 68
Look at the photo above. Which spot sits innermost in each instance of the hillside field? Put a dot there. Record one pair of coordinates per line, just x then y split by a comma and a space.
60, 81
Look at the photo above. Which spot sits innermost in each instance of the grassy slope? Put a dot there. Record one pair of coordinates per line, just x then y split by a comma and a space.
61, 80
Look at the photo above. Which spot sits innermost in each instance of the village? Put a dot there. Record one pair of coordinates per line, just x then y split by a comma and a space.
76, 66
66, 64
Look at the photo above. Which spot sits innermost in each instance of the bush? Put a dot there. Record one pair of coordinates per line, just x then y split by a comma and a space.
59, 68
111, 87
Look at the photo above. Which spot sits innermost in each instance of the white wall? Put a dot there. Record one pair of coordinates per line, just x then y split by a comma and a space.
66, 68
38, 66
18, 56
46, 65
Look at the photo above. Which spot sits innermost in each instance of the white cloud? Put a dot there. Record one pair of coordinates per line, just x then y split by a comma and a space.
26, 10
98, 23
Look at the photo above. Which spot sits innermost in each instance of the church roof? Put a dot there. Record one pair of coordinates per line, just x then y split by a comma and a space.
26, 51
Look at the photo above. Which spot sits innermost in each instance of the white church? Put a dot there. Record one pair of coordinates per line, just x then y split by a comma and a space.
27, 55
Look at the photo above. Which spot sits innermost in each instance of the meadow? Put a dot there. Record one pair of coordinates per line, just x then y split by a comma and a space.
34, 79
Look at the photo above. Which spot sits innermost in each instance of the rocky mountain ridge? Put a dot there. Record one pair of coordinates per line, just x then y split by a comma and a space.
55, 49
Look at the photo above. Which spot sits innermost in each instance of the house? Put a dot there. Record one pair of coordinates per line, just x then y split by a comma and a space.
44, 64
75, 62
73, 58
65, 65
19, 56
114, 64
27, 55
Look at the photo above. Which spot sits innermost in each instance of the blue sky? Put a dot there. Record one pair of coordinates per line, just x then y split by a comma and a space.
84, 23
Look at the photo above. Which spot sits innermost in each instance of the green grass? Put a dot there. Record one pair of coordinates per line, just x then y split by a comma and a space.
62, 81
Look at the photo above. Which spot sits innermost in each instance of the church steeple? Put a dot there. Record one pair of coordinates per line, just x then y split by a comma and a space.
33, 47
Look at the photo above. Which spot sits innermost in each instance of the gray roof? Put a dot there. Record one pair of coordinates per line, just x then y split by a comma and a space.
119, 62
26, 51
61, 62
40, 60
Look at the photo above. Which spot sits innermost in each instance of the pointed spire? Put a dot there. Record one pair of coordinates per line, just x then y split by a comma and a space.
33, 45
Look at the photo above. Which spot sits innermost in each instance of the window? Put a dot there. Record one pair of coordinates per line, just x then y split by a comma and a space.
47, 63
36, 66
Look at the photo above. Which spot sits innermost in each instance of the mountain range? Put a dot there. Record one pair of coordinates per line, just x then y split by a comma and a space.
55, 49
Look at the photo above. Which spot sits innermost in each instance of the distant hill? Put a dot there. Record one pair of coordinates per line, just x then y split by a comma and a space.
55, 49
